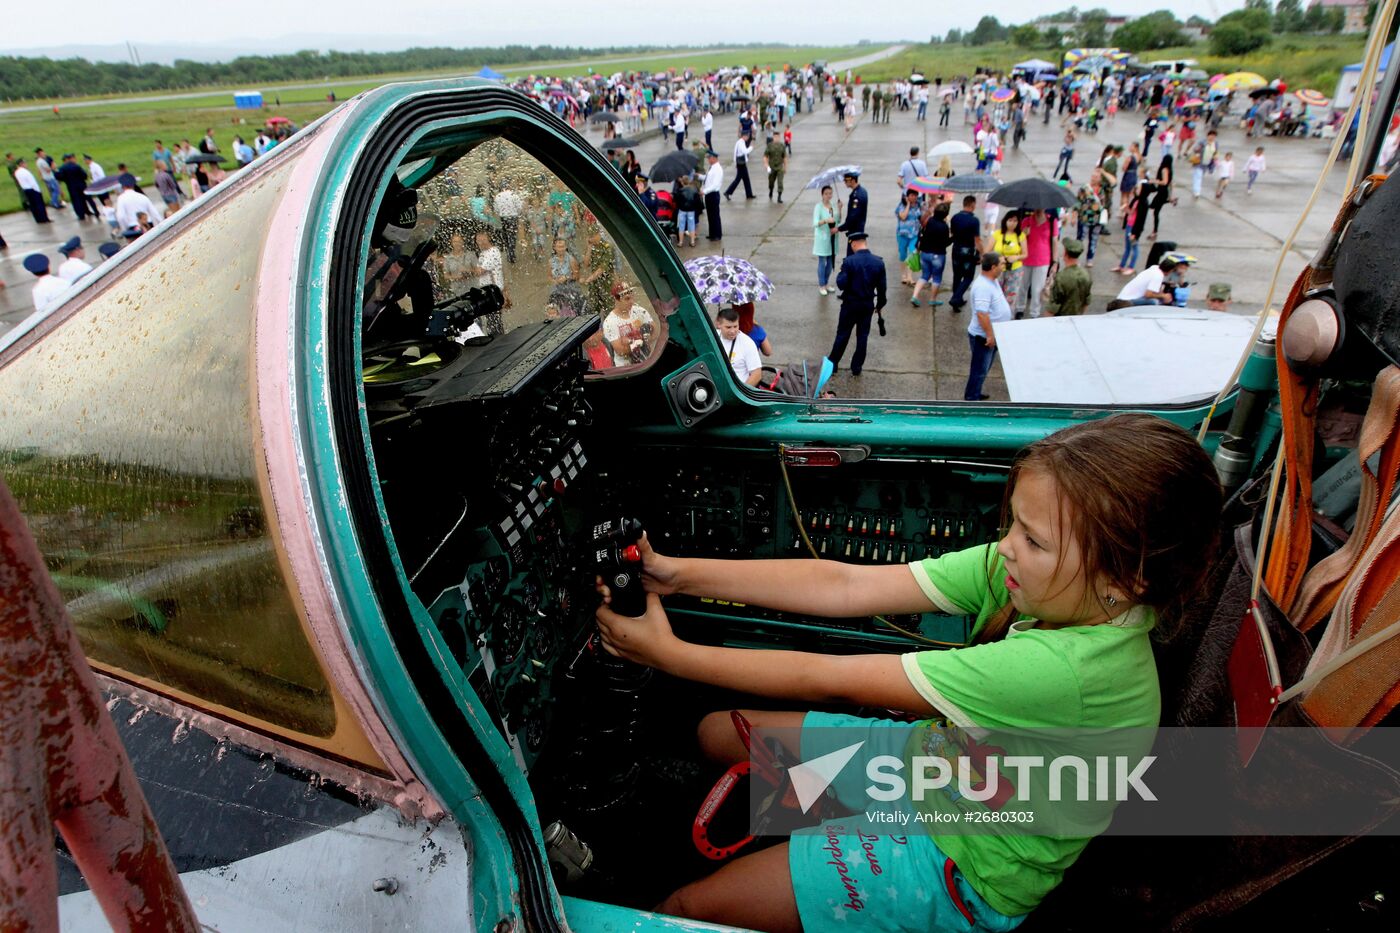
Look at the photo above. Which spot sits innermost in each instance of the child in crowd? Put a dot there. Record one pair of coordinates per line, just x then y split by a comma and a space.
1224, 171
1254, 167
1110, 529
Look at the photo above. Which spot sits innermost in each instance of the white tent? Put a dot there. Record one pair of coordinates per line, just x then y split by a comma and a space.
1035, 65
1351, 77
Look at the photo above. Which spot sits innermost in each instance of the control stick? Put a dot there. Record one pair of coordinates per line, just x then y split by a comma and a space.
619, 561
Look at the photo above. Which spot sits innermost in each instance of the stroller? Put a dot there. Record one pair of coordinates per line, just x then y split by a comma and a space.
803, 379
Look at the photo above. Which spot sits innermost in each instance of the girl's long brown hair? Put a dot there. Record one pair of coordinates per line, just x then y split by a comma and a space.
1144, 505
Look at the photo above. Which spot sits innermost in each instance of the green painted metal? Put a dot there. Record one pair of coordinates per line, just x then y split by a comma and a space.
1260, 371
495, 892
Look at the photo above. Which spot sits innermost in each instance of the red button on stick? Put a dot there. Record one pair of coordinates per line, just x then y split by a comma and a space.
560, 485
630, 553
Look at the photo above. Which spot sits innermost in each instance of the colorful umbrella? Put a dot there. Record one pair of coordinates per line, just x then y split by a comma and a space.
728, 280
1312, 98
1003, 94
925, 185
1216, 77
832, 175
1239, 81
1193, 102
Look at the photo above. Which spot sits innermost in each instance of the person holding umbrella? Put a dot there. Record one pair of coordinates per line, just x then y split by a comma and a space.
75, 180
825, 217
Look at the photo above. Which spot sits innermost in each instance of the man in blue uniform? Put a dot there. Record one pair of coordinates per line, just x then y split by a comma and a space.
862, 284
966, 231
649, 198
856, 208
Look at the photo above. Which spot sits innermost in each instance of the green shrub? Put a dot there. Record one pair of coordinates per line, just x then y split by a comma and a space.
1234, 39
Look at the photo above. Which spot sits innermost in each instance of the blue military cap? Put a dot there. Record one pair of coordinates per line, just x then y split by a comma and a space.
37, 263
109, 249
857, 235
70, 244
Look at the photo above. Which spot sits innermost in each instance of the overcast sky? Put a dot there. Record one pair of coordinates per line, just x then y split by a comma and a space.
376, 24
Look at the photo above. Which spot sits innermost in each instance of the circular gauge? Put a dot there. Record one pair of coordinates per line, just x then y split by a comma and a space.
508, 636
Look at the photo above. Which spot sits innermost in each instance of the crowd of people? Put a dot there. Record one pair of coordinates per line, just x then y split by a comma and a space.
1037, 260
119, 201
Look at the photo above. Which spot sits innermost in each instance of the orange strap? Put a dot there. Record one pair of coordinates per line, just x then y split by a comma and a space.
1380, 433
1288, 551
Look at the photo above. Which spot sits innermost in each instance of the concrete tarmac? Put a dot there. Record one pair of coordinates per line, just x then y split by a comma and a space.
925, 355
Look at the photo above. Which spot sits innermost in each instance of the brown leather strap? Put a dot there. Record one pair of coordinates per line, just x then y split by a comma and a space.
1287, 561
1380, 433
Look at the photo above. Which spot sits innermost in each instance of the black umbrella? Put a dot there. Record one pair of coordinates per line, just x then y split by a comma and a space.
1263, 92
105, 185
205, 157
971, 183
619, 142
604, 116
1034, 194
673, 165
740, 97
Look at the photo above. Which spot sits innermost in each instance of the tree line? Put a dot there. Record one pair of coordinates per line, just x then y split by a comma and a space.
1233, 34
28, 78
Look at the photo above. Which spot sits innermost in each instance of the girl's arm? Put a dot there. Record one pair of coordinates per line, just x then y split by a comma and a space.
808, 587
858, 680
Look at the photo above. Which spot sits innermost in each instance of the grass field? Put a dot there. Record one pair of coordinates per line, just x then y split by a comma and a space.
124, 132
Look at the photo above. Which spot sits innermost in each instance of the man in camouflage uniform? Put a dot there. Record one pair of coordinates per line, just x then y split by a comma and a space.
865, 99
775, 160
1070, 292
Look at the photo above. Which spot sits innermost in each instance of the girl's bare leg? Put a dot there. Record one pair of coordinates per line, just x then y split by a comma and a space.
720, 741
754, 892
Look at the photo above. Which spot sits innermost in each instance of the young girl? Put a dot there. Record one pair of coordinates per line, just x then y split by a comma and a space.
1224, 170
1109, 524
1011, 243
1254, 167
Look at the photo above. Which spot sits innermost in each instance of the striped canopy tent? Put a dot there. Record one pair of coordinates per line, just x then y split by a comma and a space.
1094, 61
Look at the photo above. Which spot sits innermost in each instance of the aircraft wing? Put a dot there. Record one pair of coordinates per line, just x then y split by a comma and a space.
1131, 356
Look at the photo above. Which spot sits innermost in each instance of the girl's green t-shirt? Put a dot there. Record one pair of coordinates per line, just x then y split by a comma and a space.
1034, 681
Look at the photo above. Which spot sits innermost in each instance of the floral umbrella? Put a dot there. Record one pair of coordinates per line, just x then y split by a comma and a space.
728, 280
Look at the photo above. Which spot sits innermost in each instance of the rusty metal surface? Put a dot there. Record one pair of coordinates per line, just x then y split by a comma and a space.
62, 764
